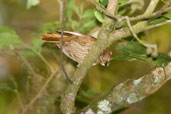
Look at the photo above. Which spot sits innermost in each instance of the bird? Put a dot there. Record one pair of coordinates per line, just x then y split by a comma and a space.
76, 46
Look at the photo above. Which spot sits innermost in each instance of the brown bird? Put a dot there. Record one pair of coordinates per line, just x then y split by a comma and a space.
76, 46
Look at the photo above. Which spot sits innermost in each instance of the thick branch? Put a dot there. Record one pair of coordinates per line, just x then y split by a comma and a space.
112, 8
101, 44
139, 27
68, 100
151, 7
71, 92
130, 91
105, 38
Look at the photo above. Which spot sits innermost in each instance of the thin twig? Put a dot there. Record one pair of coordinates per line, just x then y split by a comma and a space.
28, 47
61, 42
157, 25
40, 56
27, 64
156, 14
154, 46
17, 94
102, 9
19, 99
127, 4
40, 93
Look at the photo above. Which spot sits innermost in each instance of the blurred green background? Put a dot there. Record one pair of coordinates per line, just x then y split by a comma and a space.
29, 22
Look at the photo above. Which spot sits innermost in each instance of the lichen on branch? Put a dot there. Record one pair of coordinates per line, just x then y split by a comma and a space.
131, 91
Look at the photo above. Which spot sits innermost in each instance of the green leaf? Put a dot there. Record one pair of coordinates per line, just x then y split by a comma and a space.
72, 24
88, 21
77, 10
31, 3
87, 26
37, 44
132, 47
163, 18
135, 51
167, 15
51, 27
162, 60
99, 16
121, 2
86, 18
122, 11
8, 37
88, 14
6, 87
28, 53
157, 21
70, 8
104, 2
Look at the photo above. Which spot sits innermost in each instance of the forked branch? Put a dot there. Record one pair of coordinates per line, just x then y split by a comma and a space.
105, 38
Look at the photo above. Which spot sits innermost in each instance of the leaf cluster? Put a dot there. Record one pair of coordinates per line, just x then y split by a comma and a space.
9, 40
134, 51
84, 21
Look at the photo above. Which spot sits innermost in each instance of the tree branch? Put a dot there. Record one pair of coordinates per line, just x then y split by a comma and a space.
68, 100
101, 44
130, 91
102, 9
156, 14
127, 4
38, 95
151, 7
105, 38
112, 8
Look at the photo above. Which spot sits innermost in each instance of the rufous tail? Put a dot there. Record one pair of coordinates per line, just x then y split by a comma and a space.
51, 37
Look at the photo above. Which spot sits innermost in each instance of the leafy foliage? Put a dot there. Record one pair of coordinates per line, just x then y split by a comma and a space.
37, 44
10, 86
99, 16
122, 2
51, 27
78, 19
86, 19
135, 6
164, 17
8, 37
103, 2
35, 48
135, 51
6, 87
